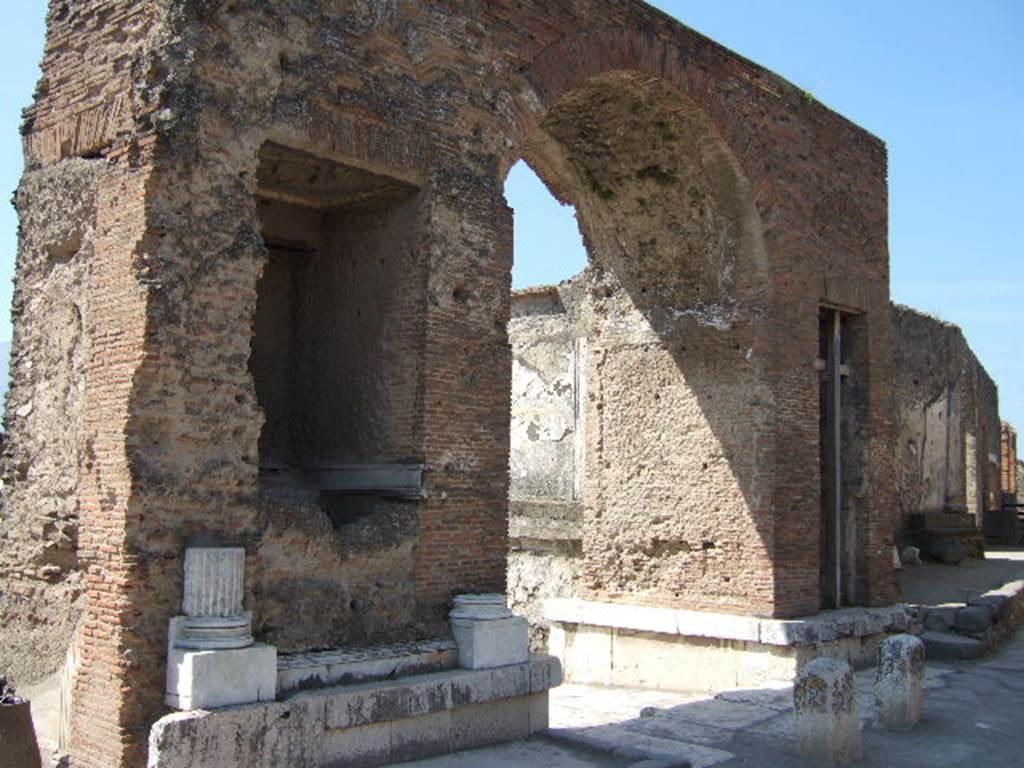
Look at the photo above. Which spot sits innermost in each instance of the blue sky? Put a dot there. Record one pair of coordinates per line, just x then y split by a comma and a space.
942, 82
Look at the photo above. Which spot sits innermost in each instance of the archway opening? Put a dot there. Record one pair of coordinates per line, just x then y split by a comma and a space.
673, 411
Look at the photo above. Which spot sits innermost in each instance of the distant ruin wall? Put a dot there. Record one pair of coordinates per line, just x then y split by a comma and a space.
1010, 479
947, 413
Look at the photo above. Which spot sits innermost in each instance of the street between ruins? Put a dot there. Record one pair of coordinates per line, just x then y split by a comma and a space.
972, 718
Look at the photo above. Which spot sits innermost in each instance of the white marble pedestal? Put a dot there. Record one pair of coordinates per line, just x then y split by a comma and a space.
212, 660
487, 634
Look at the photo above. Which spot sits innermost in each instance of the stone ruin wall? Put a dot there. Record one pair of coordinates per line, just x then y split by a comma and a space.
944, 396
153, 117
947, 412
1009, 464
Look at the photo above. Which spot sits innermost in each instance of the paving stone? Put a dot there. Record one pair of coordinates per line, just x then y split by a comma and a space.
721, 714
667, 727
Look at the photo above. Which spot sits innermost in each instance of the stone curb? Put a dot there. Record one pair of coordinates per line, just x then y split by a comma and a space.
826, 626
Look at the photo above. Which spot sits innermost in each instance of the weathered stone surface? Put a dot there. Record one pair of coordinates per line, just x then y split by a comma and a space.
939, 618
825, 713
303, 671
826, 626
369, 724
899, 682
974, 619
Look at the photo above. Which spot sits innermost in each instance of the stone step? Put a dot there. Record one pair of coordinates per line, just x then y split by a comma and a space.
941, 521
947, 646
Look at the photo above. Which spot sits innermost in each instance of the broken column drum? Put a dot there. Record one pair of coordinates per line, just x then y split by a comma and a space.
214, 619
212, 660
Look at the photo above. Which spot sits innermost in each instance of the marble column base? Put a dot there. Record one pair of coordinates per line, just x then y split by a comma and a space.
213, 633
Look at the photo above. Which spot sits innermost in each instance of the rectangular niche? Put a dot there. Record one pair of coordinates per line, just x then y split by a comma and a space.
335, 350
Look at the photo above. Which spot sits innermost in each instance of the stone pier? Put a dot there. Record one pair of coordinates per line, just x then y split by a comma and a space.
825, 713
899, 685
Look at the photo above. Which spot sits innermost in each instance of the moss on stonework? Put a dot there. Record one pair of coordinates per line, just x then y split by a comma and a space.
665, 131
663, 176
599, 189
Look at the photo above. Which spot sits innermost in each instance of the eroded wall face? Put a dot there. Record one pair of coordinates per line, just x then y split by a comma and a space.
547, 457
39, 563
947, 414
548, 361
664, 516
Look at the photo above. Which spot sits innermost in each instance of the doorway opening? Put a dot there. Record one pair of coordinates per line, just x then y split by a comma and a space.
842, 403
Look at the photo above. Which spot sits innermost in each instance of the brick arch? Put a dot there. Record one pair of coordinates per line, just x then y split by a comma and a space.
685, 64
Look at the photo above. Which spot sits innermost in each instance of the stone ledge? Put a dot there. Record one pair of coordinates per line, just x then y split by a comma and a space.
826, 626
369, 724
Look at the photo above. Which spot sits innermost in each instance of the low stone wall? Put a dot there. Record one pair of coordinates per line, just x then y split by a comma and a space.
364, 725
969, 630
665, 649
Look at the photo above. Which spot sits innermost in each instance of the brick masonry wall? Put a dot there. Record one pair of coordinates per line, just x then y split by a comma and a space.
1008, 460
947, 412
177, 98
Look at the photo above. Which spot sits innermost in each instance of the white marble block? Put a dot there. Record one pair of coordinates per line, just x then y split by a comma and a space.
487, 634
899, 682
825, 713
207, 679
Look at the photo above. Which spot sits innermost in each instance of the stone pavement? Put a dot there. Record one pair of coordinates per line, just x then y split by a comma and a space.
973, 717
938, 583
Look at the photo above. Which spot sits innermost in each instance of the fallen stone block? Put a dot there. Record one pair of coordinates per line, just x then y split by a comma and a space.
899, 682
911, 556
947, 646
974, 619
825, 713
939, 618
